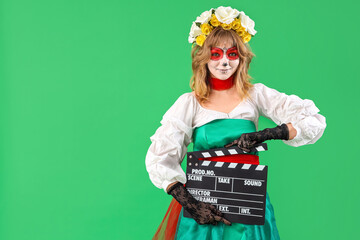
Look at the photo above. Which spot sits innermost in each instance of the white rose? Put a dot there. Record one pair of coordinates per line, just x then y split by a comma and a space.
247, 23
195, 30
226, 14
204, 17
191, 39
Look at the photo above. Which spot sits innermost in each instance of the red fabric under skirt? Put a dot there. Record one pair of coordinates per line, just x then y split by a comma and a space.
167, 228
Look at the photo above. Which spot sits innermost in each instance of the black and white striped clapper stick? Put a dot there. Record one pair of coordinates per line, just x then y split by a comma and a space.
238, 190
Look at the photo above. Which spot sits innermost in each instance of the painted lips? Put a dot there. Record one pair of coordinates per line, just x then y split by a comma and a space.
223, 70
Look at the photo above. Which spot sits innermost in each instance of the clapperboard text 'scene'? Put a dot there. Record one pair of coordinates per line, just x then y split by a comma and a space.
238, 190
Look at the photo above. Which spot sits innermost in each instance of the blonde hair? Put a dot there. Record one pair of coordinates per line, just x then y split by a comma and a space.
201, 56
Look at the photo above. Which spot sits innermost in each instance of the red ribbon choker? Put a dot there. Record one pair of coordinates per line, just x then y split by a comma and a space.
218, 84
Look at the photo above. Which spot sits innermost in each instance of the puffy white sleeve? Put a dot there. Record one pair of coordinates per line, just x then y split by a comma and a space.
169, 143
282, 108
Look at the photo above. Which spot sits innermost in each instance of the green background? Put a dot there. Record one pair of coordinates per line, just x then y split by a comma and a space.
84, 85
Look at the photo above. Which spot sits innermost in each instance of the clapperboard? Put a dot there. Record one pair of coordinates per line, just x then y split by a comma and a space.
238, 190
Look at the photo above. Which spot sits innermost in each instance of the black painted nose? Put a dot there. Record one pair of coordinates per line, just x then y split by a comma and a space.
225, 64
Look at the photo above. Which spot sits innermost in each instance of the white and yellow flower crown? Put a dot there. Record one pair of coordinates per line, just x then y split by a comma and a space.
226, 17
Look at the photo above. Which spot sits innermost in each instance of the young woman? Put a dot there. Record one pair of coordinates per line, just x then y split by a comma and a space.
222, 110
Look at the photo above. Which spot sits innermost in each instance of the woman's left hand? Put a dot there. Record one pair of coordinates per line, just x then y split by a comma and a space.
248, 140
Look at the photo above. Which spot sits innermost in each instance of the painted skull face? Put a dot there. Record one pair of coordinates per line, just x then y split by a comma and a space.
223, 62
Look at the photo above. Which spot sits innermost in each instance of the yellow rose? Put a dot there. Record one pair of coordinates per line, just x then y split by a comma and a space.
236, 24
247, 37
206, 28
241, 31
200, 40
214, 21
226, 26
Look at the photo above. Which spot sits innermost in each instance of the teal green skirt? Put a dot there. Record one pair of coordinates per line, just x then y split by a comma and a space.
188, 228
216, 134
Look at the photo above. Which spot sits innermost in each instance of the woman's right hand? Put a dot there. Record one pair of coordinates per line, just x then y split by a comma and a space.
202, 213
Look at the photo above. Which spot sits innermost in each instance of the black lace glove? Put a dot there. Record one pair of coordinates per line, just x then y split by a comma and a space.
202, 213
247, 140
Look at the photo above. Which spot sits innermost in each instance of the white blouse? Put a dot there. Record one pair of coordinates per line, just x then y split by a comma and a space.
171, 139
